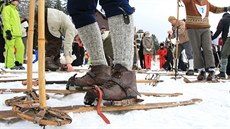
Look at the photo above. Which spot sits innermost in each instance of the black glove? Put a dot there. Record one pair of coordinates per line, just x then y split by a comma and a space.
8, 35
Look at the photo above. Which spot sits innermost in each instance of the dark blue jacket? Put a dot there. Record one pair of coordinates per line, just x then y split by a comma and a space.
223, 27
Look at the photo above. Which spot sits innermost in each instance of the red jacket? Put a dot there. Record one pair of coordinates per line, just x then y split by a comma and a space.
162, 53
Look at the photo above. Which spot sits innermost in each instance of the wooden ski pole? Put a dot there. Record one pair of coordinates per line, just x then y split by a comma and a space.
41, 55
177, 39
30, 45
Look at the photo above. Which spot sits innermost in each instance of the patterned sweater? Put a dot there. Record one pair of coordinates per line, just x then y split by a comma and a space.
193, 17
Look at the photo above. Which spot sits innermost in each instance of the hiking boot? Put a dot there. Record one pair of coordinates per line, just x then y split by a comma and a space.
50, 64
211, 76
221, 75
98, 75
190, 72
121, 86
201, 76
18, 66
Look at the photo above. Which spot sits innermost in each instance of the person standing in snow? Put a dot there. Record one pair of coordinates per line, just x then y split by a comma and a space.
12, 33
197, 24
148, 49
178, 26
223, 27
162, 52
224, 57
120, 82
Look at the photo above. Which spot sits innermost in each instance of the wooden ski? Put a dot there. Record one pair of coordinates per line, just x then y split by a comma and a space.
66, 92
35, 83
186, 80
2, 70
15, 79
83, 108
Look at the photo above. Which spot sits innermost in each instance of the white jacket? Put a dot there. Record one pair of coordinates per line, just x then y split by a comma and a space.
24, 25
60, 24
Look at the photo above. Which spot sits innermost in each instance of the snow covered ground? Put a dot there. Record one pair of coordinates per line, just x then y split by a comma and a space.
212, 113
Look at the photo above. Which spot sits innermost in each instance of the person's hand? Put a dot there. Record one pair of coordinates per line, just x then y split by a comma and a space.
70, 68
170, 32
148, 49
8, 35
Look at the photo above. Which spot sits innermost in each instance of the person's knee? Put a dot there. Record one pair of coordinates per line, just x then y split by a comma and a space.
116, 7
82, 12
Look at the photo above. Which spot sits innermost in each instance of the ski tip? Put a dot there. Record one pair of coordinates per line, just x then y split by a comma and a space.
197, 100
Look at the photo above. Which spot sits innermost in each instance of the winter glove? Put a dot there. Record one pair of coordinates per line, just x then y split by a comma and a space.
8, 35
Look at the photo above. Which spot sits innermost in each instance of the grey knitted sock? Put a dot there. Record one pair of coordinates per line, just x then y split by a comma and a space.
122, 36
91, 38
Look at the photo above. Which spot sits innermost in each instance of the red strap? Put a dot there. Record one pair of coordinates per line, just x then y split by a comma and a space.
99, 107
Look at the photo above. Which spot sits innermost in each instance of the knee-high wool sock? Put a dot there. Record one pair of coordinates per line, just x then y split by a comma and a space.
122, 36
91, 38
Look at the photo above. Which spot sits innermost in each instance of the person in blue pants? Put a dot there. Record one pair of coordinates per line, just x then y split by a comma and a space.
119, 82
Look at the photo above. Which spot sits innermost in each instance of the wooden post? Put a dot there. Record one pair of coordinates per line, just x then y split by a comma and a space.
30, 45
41, 53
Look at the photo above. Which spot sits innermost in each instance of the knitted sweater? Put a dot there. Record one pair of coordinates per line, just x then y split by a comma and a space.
193, 17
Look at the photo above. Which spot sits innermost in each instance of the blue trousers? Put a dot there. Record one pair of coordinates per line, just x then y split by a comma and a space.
82, 11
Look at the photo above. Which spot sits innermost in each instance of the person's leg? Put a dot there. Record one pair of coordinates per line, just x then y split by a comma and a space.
9, 52
228, 66
52, 50
208, 56
195, 40
224, 59
189, 54
180, 49
150, 60
123, 83
146, 61
24, 39
19, 52
82, 13
140, 59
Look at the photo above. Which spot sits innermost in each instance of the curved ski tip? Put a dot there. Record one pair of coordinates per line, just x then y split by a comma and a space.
178, 93
139, 100
197, 100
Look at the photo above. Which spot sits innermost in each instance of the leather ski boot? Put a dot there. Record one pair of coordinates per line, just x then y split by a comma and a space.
211, 76
201, 76
98, 75
121, 86
50, 64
